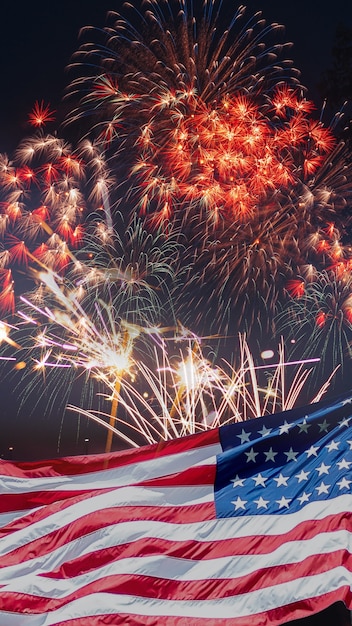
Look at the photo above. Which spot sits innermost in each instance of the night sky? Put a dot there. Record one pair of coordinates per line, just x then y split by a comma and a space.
37, 41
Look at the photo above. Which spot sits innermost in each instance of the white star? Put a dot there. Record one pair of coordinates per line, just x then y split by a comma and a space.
334, 445
302, 476
262, 503
283, 502
344, 483
322, 488
239, 504
304, 497
237, 481
251, 455
343, 464
270, 455
344, 422
259, 480
291, 455
281, 480
322, 469
264, 431
323, 427
348, 401
312, 451
303, 428
350, 442
284, 428
243, 436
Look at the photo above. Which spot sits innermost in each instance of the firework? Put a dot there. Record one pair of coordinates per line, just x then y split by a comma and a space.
114, 281
47, 191
131, 268
184, 392
319, 314
191, 114
243, 272
210, 130
41, 114
156, 382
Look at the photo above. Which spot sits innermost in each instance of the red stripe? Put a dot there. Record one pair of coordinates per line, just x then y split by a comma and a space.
55, 501
202, 475
197, 476
276, 617
191, 551
77, 465
25, 501
101, 519
175, 590
255, 544
296, 610
35, 516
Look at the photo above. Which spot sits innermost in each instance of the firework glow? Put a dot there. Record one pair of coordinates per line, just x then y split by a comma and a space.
158, 383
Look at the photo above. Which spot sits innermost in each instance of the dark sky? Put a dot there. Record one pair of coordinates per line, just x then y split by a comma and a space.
36, 43
37, 40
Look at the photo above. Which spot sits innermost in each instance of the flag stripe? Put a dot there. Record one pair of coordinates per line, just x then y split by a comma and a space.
10, 519
166, 503
14, 501
41, 536
77, 466
89, 551
99, 615
118, 498
119, 476
223, 578
218, 610
256, 530
201, 474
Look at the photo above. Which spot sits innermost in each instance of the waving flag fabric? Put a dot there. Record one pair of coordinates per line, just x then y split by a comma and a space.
246, 524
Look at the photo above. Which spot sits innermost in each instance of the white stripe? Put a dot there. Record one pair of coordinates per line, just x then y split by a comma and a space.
179, 569
210, 531
116, 477
244, 605
124, 496
179, 496
7, 518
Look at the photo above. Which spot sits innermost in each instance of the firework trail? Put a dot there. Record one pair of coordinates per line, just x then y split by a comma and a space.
318, 316
114, 279
154, 382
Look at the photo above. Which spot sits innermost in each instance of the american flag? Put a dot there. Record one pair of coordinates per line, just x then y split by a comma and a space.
245, 524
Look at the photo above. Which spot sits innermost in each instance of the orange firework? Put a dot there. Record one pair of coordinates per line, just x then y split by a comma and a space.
206, 124
213, 134
45, 193
41, 114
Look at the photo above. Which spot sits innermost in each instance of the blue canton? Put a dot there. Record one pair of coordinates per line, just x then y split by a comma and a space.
279, 463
